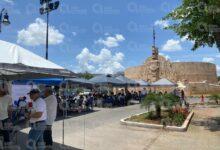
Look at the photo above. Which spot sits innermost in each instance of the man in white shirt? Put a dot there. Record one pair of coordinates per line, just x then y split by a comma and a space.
51, 103
5, 107
38, 118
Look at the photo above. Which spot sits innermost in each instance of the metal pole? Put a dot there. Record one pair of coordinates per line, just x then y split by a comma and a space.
1, 19
1, 22
63, 125
47, 36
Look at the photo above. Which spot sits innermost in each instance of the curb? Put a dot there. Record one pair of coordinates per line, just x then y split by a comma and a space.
183, 128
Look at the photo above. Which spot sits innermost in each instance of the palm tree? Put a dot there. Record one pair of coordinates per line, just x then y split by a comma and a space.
155, 100
170, 100
215, 97
158, 100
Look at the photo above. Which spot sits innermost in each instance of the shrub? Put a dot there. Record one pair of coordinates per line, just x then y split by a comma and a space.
153, 99
214, 97
167, 121
158, 100
150, 115
178, 119
180, 110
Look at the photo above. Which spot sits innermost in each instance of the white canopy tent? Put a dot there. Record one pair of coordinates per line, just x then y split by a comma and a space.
14, 54
142, 82
19, 63
163, 82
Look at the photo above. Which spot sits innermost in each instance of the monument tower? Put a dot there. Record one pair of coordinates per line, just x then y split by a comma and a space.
155, 52
154, 70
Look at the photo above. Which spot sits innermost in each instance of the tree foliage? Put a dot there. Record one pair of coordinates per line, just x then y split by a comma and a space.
158, 100
215, 97
198, 20
87, 75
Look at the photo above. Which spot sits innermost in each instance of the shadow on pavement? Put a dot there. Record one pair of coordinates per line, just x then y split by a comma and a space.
24, 124
212, 124
75, 114
21, 138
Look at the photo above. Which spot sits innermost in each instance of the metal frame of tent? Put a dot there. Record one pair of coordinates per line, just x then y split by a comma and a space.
9, 72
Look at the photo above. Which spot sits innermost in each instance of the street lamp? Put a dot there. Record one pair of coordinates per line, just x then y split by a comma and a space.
47, 7
4, 18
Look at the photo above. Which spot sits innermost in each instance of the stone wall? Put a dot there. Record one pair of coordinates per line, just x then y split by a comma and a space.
195, 72
177, 71
202, 88
134, 72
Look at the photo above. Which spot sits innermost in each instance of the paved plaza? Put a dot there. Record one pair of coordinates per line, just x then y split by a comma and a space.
101, 129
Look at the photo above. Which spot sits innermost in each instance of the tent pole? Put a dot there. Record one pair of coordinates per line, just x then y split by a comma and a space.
63, 124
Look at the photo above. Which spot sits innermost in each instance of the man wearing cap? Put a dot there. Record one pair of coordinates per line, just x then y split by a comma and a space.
38, 116
51, 103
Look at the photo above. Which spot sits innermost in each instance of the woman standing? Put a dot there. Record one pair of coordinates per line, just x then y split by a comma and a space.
5, 108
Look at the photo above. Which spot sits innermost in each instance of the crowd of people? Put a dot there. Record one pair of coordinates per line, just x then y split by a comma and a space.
79, 101
119, 99
85, 102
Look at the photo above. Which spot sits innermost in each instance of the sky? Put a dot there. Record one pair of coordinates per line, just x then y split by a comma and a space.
100, 36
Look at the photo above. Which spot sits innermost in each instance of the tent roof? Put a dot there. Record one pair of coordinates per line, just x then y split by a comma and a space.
163, 82
54, 81
106, 79
142, 82
14, 54
19, 72
18, 63
126, 80
47, 81
79, 80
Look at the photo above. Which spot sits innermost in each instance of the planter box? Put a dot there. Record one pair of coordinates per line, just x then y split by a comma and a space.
183, 128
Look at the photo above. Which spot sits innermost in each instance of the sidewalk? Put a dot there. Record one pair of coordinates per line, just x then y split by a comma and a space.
203, 133
103, 131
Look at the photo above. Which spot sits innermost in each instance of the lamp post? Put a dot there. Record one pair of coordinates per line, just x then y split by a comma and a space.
47, 7
4, 18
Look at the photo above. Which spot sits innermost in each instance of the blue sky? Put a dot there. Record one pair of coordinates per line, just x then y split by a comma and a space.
100, 35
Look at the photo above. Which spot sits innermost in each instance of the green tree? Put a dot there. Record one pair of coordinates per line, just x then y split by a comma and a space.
158, 100
198, 20
87, 75
153, 99
170, 100
215, 97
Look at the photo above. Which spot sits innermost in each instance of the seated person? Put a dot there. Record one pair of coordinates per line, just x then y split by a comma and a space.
22, 105
22, 102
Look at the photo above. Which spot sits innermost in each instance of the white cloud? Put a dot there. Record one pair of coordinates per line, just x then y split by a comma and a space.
9, 1
161, 23
218, 56
111, 41
105, 62
172, 45
184, 39
35, 34
176, 45
164, 55
83, 60
208, 59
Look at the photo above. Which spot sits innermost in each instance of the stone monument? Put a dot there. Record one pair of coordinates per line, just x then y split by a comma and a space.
193, 73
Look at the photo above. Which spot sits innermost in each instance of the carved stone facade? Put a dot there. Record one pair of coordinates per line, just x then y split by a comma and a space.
157, 67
